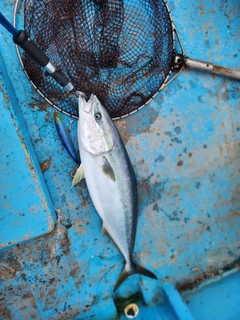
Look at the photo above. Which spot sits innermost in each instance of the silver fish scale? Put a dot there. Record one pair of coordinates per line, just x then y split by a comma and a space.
115, 201
110, 180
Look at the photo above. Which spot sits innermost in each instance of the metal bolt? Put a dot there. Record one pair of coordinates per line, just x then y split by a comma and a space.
131, 311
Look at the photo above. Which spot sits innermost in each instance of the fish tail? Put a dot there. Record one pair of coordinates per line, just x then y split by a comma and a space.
130, 269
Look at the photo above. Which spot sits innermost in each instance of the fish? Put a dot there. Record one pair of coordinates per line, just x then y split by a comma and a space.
65, 137
110, 180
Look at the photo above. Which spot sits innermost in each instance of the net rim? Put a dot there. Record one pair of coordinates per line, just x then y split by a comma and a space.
163, 85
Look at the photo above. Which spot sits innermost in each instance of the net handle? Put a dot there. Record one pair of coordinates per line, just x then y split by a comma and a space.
181, 62
214, 69
202, 65
21, 39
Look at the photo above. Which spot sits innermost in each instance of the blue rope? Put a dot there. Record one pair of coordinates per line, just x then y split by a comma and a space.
10, 28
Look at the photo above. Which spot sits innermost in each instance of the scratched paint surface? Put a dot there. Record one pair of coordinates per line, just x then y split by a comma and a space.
185, 149
24, 200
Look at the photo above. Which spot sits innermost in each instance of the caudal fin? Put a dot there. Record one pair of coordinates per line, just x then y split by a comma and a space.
133, 269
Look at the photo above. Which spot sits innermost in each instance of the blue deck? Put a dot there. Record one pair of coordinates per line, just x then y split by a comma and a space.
185, 149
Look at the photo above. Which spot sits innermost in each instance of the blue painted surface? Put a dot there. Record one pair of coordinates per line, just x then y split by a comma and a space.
219, 300
26, 210
185, 149
176, 302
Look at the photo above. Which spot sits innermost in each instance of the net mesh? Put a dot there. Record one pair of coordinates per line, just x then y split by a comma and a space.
122, 51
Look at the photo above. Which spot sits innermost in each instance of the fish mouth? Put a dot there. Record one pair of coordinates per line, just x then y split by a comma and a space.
87, 107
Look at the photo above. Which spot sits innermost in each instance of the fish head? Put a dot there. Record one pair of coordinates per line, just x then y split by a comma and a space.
95, 127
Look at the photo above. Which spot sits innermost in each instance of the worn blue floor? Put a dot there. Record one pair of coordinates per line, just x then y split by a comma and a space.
185, 149
219, 300
22, 178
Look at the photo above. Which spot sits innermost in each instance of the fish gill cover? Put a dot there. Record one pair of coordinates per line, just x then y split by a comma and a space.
119, 50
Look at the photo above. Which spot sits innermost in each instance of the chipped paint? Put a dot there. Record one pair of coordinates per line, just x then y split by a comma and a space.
45, 165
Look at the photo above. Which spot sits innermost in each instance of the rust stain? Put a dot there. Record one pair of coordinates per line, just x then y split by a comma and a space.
45, 165
234, 214
4, 312
85, 198
124, 130
229, 147
34, 208
81, 224
75, 271
180, 163
50, 295
156, 207
138, 123
39, 104
202, 12
6, 271
211, 273
65, 242
27, 295
9, 268
47, 117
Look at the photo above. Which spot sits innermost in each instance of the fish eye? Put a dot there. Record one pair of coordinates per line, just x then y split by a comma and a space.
98, 116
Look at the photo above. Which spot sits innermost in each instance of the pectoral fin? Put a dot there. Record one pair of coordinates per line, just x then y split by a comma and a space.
107, 169
79, 175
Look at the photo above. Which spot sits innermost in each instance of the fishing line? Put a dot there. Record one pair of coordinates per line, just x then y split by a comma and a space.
123, 51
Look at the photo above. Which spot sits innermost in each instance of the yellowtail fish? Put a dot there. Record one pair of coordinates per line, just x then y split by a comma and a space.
110, 180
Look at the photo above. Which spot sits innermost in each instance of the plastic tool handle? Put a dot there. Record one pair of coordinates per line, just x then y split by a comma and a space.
41, 58
20, 37
207, 66
31, 48
60, 77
